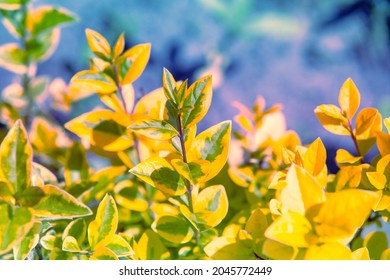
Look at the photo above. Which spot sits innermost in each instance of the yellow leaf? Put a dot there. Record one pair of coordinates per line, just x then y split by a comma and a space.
328, 251
97, 43
278, 251
211, 205
130, 196
386, 254
162, 209
383, 203
314, 159
343, 213
174, 229
387, 124
383, 142
343, 157
368, 123
348, 177
302, 191
331, 119
137, 57
158, 173
104, 129
383, 165
150, 247
257, 224
152, 104
212, 145
119, 246
349, 98
291, 229
196, 172
378, 180
103, 254
102, 229
360, 254
94, 81
119, 46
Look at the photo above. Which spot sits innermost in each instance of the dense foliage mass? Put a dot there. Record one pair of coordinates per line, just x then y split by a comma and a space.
169, 190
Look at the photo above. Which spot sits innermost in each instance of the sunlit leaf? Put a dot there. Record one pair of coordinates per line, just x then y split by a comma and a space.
58, 204
315, 157
331, 119
387, 124
157, 172
15, 224
104, 129
119, 46
211, 206
94, 81
376, 242
197, 101
302, 191
257, 224
348, 177
16, 158
133, 62
119, 246
291, 229
196, 172
76, 164
360, 254
378, 180
170, 86
328, 251
228, 248
103, 228
130, 196
212, 145
173, 228
343, 213
30, 196
28, 243
76, 229
349, 98
343, 157
97, 43
70, 244
152, 128
383, 142
278, 251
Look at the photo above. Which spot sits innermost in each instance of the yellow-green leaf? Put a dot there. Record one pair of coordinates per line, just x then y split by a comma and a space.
152, 128
343, 213
104, 129
76, 229
174, 229
157, 172
349, 98
378, 180
291, 229
368, 123
343, 157
170, 86
331, 119
103, 254
196, 172
13, 58
28, 243
58, 204
386, 254
130, 196
102, 229
16, 159
11, 4
70, 244
119, 246
278, 251
94, 81
328, 251
212, 145
150, 247
133, 62
257, 224
15, 226
197, 101
302, 191
97, 43
211, 206
228, 248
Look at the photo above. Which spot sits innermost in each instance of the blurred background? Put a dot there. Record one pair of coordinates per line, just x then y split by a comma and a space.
297, 53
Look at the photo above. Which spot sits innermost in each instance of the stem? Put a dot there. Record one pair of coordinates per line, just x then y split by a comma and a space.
354, 139
120, 91
184, 152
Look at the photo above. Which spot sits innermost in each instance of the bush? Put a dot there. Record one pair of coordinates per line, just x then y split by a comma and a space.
169, 191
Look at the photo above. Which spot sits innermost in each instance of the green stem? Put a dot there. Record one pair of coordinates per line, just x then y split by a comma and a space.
189, 187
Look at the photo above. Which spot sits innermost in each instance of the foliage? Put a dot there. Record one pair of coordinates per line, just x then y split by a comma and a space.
169, 191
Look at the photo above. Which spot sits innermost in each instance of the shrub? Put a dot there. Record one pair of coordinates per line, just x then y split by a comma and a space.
167, 190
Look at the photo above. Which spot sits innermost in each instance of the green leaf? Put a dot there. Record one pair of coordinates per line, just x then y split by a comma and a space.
119, 246
196, 172
76, 164
278, 251
157, 172
15, 224
376, 243
30, 196
13, 58
257, 224
152, 128
5, 193
46, 18
169, 85
58, 204
102, 229
211, 206
16, 158
42, 46
28, 243
150, 247
174, 229
11, 4
212, 145
70, 244
197, 101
